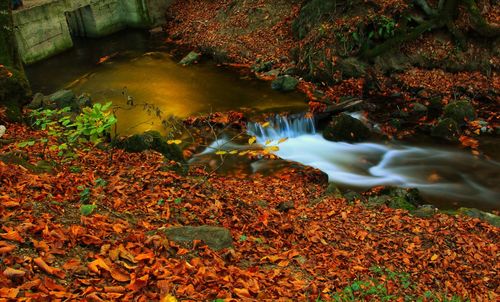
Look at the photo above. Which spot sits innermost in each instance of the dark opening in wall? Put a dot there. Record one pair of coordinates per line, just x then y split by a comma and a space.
81, 22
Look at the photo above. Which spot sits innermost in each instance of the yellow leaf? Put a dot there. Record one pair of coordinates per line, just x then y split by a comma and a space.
282, 140
268, 142
168, 298
233, 152
174, 141
273, 149
266, 124
221, 152
252, 140
243, 153
434, 257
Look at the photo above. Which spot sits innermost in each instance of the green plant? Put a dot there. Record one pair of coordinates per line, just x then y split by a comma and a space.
92, 125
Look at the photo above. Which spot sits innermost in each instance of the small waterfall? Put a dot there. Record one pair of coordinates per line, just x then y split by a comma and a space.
436, 172
281, 127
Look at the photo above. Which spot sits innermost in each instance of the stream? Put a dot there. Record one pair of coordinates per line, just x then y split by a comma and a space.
132, 64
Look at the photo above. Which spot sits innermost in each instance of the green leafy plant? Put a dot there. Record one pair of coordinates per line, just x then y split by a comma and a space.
92, 125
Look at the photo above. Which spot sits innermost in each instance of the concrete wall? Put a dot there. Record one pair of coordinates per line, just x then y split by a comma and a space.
43, 31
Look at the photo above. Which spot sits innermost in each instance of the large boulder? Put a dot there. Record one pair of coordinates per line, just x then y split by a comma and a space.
190, 58
460, 111
344, 127
14, 92
150, 140
447, 129
285, 83
216, 238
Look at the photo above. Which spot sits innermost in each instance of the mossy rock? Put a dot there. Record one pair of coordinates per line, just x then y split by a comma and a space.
285, 83
215, 237
460, 111
446, 128
351, 68
190, 58
333, 191
344, 127
425, 211
485, 216
151, 140
397, 198
20, 160
260, 66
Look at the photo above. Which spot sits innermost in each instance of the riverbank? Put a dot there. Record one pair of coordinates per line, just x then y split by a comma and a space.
405, 91
289, 226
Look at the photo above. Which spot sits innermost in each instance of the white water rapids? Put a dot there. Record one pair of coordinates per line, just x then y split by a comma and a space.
454, 175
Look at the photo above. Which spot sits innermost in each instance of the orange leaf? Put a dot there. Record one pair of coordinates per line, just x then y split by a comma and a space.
138, 283
12, 235
48, 269
140, 257
119, 276
6, 248
96, 264
9, 293
242, 292
13, 273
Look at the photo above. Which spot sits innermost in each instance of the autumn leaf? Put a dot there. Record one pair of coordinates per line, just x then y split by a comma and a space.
48, 269
13, 273
12, 235
252, 140
97, 264
174, 142
168, 298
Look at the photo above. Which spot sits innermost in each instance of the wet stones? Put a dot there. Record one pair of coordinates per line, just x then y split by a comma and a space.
460, 111
216, 238
285, 83
150, 140
343, 127
190, 58
447, 129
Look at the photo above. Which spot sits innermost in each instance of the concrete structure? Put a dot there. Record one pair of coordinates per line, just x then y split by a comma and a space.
45, 27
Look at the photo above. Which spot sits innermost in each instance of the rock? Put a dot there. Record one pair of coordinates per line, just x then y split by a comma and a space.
63, 98
285, 83
285, 206
37, 101
3, 129
191, 58
272, 73
351, 67
352, 196
215, 237
397, 198
460, 111
446, 128
435, 106
291, 71
485, 216
426, 210
419, 109
260, 66
333, 190
84, 100
343, 127
150, 140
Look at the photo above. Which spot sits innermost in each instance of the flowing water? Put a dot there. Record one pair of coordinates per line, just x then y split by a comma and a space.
443, 176
140, 67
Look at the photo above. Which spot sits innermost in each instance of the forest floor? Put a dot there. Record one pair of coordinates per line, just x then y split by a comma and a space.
94, 228
319, 246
